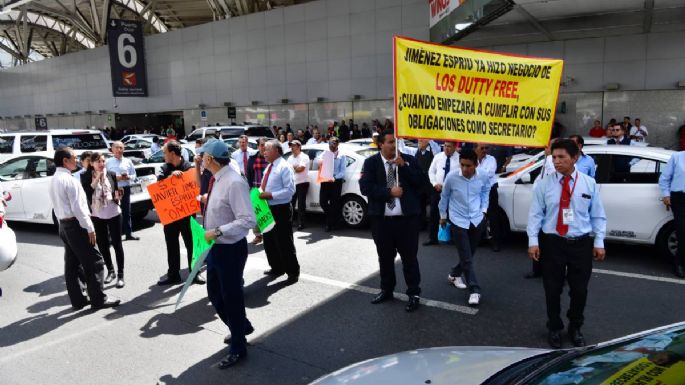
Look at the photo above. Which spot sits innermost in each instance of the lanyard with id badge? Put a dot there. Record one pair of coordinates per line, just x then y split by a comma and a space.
567, 216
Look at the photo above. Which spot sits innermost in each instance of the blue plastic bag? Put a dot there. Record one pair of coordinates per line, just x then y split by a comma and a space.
444, 233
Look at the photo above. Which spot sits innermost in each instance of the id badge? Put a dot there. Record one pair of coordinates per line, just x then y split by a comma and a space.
567, 216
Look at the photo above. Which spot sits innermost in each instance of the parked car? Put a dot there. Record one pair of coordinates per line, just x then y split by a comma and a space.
148, 137
631, 198
232, 131
353, 203
655, 356
45, 142
138, 148
8, 240
233, 143
27, 178
151, 165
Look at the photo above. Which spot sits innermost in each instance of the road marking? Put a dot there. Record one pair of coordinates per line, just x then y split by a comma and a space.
640, 276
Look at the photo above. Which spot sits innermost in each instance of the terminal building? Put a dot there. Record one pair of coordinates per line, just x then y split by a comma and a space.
273, 62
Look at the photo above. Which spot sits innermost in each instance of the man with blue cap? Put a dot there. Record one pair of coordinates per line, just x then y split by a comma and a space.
228, 217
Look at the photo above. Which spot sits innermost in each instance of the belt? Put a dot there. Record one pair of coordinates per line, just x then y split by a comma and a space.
67, 220
570, 239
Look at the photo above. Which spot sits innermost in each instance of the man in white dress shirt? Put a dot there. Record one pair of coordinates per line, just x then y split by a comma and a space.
443, 163
78, 234
242, 155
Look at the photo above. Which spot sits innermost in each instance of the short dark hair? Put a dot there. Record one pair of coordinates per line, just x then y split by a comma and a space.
383, 134
566, 144
578, 139
469, 154
94, 157
174, 147
155, 139
223, 161
61, 154
85, 155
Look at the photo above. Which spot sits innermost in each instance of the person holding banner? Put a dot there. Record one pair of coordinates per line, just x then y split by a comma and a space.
255, 172
278, 187
565, 212
329, 194
392, 182
441, 165
228, 218
174, 166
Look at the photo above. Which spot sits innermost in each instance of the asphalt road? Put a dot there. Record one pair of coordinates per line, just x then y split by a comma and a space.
303, 331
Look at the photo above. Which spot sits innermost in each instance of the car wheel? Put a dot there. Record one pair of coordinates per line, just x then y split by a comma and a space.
666, 241
139, 215
354, 211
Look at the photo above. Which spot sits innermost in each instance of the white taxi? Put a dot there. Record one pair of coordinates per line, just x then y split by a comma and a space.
627, 177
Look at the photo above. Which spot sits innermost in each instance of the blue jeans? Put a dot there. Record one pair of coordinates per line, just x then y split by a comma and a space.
467, 243
225, 265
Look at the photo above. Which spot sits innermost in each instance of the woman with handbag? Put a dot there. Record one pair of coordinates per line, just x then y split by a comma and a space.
103, 197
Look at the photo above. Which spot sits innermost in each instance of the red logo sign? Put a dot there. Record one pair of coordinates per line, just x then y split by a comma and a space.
129, 79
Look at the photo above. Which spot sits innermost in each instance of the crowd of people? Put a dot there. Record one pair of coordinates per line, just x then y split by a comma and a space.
450, 189
623, 132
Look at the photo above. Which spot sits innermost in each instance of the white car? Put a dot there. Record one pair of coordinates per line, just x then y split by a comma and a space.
138, 148
631, 198
353, 203
27, 178
13, 144
147, 137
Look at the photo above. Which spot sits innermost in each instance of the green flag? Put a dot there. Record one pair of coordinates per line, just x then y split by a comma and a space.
199, 242
265, 220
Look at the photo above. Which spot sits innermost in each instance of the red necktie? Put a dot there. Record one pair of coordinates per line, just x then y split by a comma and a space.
209, 193
245, 162
564, 203
266, 178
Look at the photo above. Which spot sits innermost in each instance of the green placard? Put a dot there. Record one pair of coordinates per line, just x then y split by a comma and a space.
265, 220
199, 242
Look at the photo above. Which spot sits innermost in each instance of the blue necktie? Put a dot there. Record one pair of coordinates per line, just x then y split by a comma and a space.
447, 166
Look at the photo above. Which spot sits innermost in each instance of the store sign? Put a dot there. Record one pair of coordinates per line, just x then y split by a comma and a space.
441, 8
127, 58
232, 113
203, 115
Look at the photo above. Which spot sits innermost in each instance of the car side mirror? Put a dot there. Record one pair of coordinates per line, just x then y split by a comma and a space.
524, 179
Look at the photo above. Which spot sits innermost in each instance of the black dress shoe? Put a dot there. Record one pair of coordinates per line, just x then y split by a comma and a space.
292, 279
679, 271
554, 339
106, 304
132, 238
576, 337
79, 307
232, 359
198, 280
532, 275
273, 273
169, 281
430, 243
413, 303
382, 297
248, 331
300, 226
110, 277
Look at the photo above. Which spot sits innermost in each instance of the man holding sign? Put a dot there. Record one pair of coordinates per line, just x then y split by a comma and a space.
228, 218
174, 167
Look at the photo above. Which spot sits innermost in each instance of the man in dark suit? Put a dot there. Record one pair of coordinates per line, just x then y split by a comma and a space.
393, 211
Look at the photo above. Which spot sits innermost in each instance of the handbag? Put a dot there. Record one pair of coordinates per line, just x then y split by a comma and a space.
444, 233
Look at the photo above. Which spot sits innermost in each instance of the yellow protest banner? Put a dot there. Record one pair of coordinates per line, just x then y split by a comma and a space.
450, 93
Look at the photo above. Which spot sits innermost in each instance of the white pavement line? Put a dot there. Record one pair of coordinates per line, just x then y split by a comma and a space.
58, 341
640, 276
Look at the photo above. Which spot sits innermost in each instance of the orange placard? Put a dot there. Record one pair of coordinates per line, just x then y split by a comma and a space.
175, 198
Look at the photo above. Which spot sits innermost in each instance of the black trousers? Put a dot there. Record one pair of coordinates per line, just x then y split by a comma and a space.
278, 243
393, 235
329, 198
173, 247
434, 220
225, 266
300, 200
126, 226
561, 258
494, 217
80, 254
104, 228
467, 244
678, 207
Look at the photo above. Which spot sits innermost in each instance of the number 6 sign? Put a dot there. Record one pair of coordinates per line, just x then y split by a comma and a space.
127, 58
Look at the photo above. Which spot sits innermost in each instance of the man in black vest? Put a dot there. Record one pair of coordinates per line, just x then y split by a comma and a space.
392, 184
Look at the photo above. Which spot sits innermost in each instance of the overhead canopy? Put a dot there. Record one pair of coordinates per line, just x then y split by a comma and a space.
56, 27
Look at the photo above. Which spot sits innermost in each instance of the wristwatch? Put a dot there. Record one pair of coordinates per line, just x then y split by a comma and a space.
218, 232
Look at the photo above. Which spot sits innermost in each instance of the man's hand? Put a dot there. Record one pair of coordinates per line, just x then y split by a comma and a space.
438, 187
534, 253
443, 221
91, 238
599, 253
198, 160
396, 192
177, 173
203, 199
210, 235
667, 202
399, 162
265, 195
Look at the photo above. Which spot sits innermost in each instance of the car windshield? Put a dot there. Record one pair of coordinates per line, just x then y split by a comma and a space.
197, 134
231, 132
656, 358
